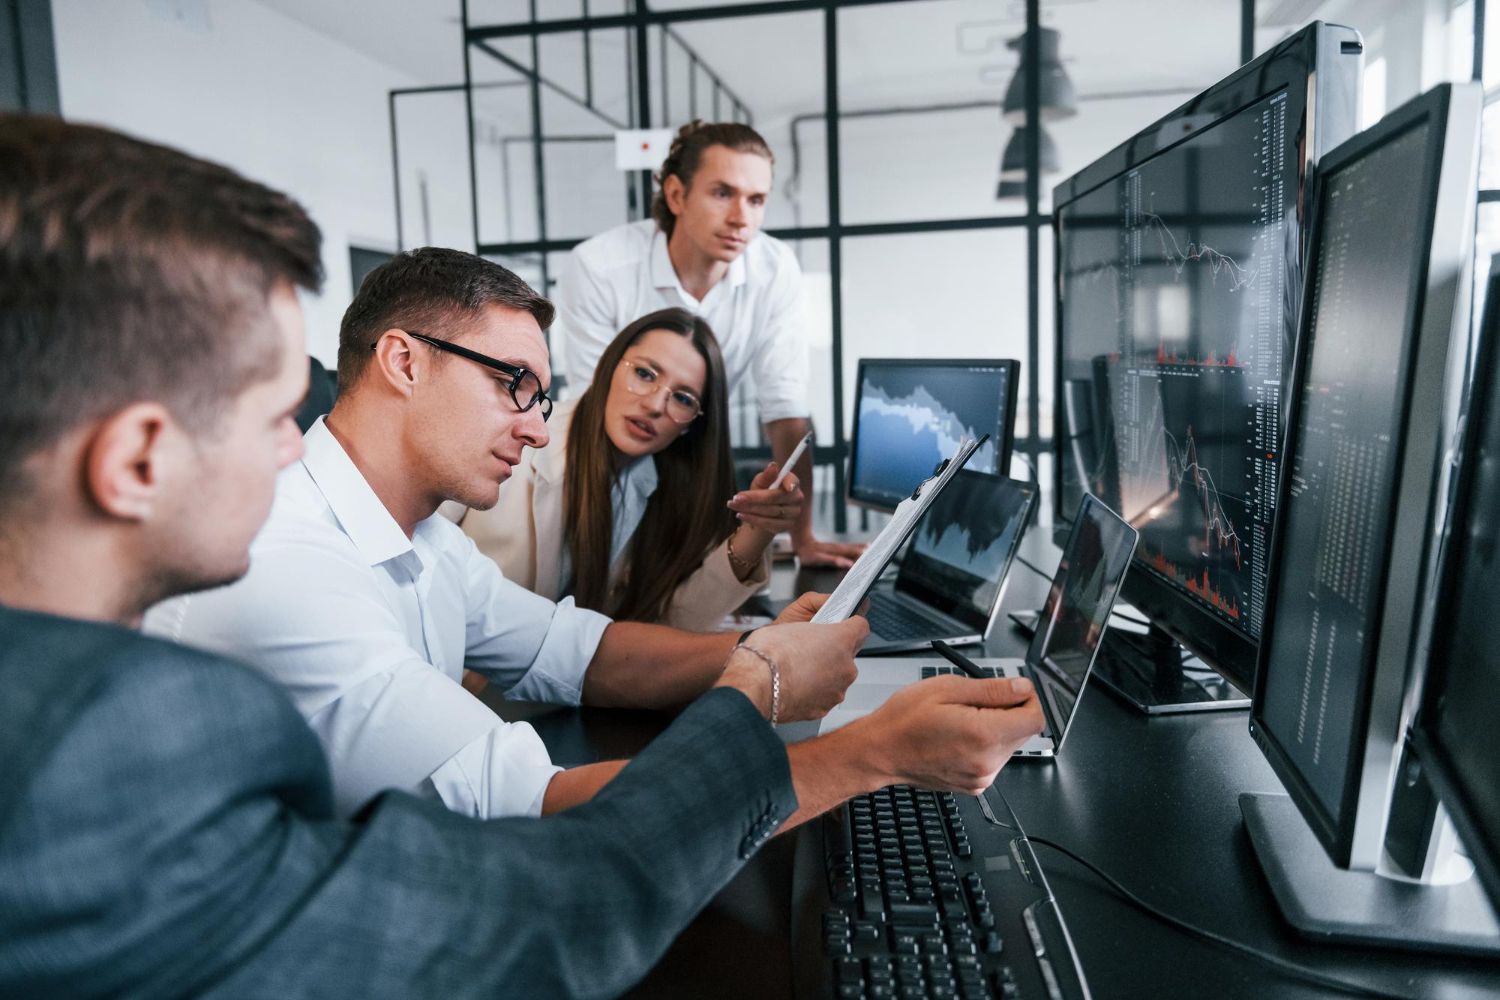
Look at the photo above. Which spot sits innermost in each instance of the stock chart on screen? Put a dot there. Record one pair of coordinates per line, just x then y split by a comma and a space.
1178, 311
910, 417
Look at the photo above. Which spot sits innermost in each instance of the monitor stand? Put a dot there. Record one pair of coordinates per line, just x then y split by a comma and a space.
1335, 905
1156, 675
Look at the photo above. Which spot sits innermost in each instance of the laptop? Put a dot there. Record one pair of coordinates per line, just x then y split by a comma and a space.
1062, 651
950, 580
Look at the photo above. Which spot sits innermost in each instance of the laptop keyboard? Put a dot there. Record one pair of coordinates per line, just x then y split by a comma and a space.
891, 619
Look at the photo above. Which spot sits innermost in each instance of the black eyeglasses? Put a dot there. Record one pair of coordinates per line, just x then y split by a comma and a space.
525, 386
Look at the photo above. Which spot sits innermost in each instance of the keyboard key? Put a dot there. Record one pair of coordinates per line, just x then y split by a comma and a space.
925, 910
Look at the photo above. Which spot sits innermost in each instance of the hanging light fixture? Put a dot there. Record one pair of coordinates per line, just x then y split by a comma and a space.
1010, 189
1057, 99
1013, 160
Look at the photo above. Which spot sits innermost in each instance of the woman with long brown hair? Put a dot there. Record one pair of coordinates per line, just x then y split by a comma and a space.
631, 508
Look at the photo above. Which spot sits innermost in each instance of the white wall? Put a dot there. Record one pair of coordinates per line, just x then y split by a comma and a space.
236, 82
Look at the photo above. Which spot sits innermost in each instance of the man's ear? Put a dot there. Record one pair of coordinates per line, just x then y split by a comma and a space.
675, 192
396, 361
129, 457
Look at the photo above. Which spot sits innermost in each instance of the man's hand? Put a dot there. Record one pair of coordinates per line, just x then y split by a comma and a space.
815, 664
950, 733
804, 607
839, 555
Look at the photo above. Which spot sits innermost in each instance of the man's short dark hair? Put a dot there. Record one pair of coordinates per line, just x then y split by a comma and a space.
687, 149
432, 290
130, 271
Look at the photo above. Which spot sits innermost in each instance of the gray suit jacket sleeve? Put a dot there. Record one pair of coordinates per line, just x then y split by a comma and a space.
169, 834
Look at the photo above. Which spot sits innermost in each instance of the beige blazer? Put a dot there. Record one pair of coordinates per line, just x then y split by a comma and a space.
524, 534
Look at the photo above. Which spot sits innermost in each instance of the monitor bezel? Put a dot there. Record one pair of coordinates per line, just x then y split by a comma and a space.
1354, 836
1040, 662
1302, 64
1004, 433
1436, 756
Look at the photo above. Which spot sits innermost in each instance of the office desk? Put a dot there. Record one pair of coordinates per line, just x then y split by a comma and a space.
1153, 802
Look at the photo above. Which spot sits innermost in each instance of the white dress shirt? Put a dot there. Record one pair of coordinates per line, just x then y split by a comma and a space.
755, 310
628, 498
369, 632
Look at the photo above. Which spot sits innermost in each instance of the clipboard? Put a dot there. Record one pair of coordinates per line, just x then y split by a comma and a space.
856, 584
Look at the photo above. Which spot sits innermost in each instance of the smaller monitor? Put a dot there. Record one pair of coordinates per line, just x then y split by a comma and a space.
1455, 730
1083, 593
910, 414
961, 553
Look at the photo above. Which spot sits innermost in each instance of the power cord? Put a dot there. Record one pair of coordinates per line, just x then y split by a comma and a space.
1032, 566
1280, 964
1117, 613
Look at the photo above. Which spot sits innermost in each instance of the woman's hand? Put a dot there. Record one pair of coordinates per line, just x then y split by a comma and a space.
767, 511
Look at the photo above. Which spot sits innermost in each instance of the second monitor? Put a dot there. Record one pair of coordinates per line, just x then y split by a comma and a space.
910, 414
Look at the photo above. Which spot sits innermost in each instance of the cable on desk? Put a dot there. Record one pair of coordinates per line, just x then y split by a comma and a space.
1031, 566
1280, 964
1035, 480
1130, 618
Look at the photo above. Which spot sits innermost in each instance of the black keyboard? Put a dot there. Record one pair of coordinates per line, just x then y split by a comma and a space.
895, 898
890, 619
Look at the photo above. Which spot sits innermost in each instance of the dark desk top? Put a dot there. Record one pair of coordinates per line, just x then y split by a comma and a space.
1151, 801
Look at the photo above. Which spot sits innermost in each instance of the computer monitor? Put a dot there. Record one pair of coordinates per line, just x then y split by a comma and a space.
910, 414
1361, 499
1178, 277
1455, 729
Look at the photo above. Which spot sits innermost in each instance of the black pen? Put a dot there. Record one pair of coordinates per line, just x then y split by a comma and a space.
958, 659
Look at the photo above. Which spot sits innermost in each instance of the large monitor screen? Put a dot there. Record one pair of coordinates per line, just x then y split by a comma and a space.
1317, 662
911, 414
1178, 290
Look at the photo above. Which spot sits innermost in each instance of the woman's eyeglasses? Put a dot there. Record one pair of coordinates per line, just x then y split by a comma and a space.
525, 385
643, 380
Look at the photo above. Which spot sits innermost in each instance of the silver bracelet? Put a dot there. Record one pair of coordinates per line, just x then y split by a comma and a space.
775, 680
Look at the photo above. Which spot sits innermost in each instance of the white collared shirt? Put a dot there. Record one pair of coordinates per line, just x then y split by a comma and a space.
755, 310
370, 632
628, 501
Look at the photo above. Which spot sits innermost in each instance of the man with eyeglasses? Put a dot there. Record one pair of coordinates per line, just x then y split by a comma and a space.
167, 827
366, 606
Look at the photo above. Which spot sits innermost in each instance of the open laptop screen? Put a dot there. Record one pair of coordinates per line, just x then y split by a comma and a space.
963, 548
1078, 604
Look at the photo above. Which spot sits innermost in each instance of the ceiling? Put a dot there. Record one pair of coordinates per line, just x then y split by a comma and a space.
900, 53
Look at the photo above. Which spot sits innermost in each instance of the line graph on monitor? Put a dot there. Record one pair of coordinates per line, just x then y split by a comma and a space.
1194, 531
1220, 264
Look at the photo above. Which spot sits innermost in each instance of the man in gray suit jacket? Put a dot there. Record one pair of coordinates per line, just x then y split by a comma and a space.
166, 826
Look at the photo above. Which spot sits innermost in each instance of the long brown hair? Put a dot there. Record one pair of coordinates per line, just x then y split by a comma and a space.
686, 516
